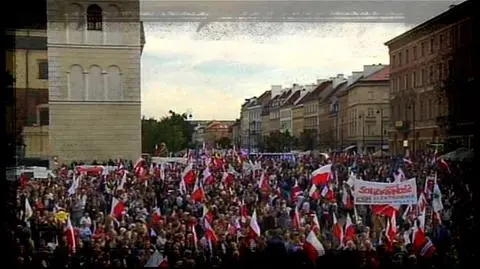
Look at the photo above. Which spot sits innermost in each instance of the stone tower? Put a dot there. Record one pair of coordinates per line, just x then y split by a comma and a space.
94, 51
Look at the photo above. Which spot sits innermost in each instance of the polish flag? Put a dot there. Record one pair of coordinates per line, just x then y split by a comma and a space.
228, 178
254, 228
313, 247
296, 219
421, 244
118, 208
188, 174
392, 230
198, 194
296, 191
207, 214
384, 210
139, 168
337, 230
207, 177
263, 183
195, 237
349, 229
347, 198
210, 233
313, 192
243, 212
322, 175
70, 234
328, 193
316, 223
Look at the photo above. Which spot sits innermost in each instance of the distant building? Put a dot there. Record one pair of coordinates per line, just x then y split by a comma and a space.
251, 120
236, 133
29, 68
432, 78
368, 108
217, 130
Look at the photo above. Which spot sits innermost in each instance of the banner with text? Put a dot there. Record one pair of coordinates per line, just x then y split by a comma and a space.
376, 193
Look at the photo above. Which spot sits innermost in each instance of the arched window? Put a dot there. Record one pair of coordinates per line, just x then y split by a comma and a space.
96, 91
114, 84
94, 18
76, 81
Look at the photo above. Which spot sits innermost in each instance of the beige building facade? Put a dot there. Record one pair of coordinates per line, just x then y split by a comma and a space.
368, 110
94, 51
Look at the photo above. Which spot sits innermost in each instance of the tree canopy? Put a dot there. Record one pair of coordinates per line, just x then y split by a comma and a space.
277, 142
174, 130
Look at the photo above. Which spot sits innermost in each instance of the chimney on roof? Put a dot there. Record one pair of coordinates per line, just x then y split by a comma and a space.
339, 75
320, 81
276, 90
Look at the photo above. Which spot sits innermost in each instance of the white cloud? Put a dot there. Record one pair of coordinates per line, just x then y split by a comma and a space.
298, 53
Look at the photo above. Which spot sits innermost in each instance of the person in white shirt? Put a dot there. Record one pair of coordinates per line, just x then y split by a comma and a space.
86, 220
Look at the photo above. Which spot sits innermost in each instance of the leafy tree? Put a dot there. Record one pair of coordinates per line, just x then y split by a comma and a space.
173, 130
278, 141
224, 142
307, 140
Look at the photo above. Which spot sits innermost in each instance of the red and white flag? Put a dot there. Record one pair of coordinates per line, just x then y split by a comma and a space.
188, 175
70, 234
254, 228
118, 208
337, 230
322, 175
313, 192
209, 232
198, 194
313, 247
349, 229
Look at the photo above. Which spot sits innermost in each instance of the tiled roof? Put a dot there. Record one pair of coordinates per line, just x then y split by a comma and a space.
381, 75
316, 92
329, 91
292, 98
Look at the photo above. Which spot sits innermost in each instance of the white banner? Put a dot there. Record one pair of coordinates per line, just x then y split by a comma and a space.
376, 193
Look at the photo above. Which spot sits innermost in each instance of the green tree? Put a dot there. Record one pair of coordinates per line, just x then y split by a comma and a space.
224, 142
278, 141
307, 140
174, 130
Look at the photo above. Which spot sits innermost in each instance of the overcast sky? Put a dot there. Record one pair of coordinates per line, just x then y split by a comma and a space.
211, 72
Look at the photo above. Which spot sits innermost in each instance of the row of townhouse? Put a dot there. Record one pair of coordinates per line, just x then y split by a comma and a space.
332, 113
421, 100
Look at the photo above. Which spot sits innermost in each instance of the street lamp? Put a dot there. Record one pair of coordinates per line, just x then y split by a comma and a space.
363, 132
380, 111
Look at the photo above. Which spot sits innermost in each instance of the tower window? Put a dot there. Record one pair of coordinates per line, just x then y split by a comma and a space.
94, 18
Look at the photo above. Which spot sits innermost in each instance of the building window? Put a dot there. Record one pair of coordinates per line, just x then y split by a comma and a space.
423, 77
44, 116
42, 70
422, 110
407, 56
423, 49
430, 74
429, 109
394, 60
432, 43
370, 95
94, 18
400, 59
440, 71
370, 112
414, 79
441, 41
415, 52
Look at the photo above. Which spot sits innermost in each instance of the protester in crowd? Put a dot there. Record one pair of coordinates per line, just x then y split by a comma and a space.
226, 211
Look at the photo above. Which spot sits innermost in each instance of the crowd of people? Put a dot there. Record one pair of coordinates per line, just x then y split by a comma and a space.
224, 210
